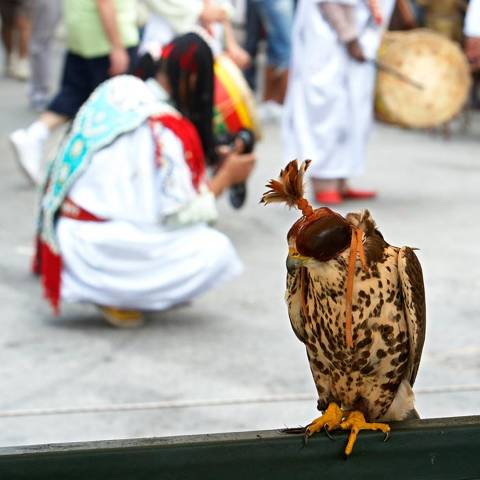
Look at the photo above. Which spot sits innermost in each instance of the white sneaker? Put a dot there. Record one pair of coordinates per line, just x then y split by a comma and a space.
276, 111
20, 68
263, 111
270, 111
28, 154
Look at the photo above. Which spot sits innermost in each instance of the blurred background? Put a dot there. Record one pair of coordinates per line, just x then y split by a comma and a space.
229, 361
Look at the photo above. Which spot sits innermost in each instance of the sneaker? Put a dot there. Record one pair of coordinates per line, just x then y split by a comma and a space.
28, 154
122, 318
276, 111
20, 68
270, 111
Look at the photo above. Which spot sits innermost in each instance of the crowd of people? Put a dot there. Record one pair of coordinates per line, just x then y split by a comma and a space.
128, 201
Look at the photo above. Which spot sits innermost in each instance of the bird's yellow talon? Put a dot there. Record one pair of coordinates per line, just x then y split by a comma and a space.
356, 422
329, 420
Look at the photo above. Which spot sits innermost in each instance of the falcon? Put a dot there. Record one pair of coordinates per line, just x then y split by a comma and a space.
358, 305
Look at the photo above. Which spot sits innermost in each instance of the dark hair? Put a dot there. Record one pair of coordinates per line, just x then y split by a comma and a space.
187, 62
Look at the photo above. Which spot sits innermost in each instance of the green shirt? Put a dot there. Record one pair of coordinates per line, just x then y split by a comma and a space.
85, 33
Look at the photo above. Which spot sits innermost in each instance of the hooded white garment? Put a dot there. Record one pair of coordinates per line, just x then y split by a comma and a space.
329, 103
156, 249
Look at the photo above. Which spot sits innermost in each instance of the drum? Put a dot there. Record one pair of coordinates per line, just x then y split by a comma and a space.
234, 103
439, 71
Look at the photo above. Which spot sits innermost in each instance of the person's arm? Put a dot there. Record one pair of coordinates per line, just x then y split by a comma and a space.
119, 59
236, 168
177, 201
341, 17
239, 56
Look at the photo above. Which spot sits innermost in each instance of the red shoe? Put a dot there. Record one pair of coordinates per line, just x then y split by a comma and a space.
352, 194
328, 197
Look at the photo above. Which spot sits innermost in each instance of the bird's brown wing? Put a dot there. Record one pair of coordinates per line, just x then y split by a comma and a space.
411, 279
297, 288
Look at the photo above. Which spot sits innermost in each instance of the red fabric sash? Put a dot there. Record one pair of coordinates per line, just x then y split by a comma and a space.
48, 264
192, 146
71, 210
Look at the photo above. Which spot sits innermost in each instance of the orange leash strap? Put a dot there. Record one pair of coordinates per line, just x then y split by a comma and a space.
361, 251
356, 245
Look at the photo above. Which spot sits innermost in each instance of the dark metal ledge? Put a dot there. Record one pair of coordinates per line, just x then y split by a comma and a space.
437, 449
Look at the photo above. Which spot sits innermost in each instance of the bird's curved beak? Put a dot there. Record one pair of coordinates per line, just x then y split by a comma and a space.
295, 261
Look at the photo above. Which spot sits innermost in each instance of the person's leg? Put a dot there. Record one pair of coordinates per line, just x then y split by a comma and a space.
23, 28
252, 37
327, 191
52, 120
278, 44
75, 87
6, 16
7, 39
97, 71
45, 17
360, 84
28, 143
277, 16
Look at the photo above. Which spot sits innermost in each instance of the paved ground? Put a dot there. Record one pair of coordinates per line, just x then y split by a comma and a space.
236, 342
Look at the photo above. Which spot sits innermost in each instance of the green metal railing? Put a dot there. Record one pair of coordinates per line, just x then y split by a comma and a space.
437, 449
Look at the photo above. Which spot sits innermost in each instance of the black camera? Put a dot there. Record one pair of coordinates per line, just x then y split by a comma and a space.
242, 142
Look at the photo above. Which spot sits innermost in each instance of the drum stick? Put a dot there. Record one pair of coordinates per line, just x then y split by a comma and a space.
393, 71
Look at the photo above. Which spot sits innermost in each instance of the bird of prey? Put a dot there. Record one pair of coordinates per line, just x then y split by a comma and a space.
358, 305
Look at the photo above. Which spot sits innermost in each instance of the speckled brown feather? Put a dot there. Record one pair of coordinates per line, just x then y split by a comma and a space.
374, 244
411, 279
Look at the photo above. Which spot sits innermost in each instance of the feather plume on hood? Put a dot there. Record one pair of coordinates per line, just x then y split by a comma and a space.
289, 188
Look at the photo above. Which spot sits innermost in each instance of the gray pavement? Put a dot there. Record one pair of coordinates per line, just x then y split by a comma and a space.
236, 342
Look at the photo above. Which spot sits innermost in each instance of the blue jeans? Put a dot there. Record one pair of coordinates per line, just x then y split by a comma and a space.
253, 33
277, 18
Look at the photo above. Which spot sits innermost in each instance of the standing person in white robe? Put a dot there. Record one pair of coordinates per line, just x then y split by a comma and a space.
328, 110
124, 220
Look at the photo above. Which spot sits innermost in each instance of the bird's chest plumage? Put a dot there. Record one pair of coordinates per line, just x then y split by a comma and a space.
367, 376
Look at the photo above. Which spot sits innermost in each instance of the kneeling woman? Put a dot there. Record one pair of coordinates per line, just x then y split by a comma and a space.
124, 220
